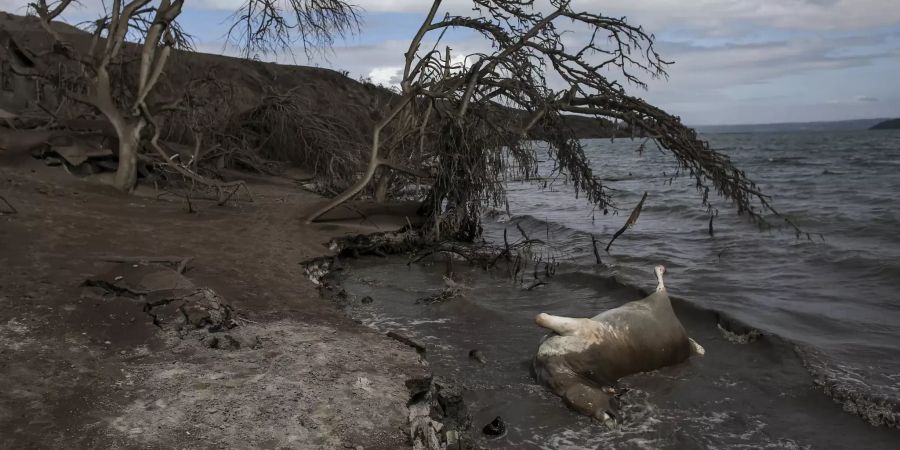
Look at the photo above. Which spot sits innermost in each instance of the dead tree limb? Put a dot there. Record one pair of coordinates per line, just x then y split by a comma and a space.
596, 252
632, 219
375, 161
10, 208
221, 187
182, 265
522, 232
190, 206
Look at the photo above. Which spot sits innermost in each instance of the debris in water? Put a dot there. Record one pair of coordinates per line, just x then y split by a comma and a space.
496, 428
442, 296
406, 340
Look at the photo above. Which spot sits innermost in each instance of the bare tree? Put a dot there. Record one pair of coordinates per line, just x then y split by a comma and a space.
471, 123
154, 24
151, 27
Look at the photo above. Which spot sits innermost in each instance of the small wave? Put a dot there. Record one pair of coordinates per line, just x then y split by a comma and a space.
497, 216
845, 385
786, 159
647, 426
538, 228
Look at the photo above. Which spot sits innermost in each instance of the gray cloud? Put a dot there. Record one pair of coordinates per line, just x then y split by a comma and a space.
720, 79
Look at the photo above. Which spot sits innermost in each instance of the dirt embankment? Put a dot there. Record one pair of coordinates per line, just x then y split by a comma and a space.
240, 353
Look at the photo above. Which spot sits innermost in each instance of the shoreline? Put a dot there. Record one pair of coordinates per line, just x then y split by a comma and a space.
94, 371
438, 415
115, 383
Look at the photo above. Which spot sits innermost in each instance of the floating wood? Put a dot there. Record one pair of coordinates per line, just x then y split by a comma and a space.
406, 340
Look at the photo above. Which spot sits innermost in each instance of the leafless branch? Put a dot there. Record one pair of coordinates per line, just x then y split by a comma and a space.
480, 114
267, 26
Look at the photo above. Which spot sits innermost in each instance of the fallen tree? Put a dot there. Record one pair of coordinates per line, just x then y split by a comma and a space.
447, 112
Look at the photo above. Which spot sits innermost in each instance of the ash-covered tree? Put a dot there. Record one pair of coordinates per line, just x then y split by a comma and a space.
467, 122
145, 32
150, 23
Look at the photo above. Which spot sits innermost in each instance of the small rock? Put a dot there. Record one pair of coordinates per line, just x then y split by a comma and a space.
196, 315
418, 384
227, 342
367, 299
477, 356
108, 343
223, 342
452, 439
496, 428
450, 399
118, 278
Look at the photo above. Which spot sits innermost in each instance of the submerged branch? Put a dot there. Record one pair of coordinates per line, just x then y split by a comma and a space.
632, 219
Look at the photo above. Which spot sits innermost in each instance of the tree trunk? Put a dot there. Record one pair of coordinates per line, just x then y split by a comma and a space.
129, 144
384, 184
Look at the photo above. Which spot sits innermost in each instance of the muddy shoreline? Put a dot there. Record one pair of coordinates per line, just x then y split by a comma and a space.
438, 416
91, 367
254, 357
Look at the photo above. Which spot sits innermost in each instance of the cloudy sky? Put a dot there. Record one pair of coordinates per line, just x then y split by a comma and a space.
736, 61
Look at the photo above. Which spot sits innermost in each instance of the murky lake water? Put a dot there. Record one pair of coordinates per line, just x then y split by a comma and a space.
833, 304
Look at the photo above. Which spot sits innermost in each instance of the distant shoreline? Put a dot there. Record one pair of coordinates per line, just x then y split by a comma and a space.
843, 125
893, 124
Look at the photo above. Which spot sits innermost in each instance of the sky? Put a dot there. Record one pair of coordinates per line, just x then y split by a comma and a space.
735, 61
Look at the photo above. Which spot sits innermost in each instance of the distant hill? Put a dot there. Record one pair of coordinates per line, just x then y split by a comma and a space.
893, 124
331, 92
843, 125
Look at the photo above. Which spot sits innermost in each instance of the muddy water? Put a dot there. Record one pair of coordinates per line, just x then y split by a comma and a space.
830, 303
740, 395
